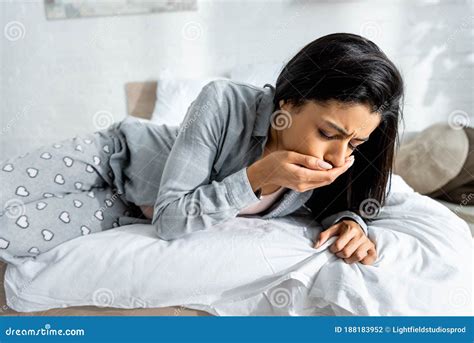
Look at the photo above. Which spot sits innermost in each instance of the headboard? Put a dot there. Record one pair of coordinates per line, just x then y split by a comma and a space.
141, 98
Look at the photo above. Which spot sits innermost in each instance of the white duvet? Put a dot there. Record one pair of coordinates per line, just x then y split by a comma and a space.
252, 266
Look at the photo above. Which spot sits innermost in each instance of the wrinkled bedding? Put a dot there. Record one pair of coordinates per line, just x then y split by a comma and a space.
250, 266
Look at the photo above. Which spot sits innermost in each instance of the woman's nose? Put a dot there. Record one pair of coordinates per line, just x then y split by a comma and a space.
337, 156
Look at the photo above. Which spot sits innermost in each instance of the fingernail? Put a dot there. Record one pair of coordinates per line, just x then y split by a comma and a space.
324, 165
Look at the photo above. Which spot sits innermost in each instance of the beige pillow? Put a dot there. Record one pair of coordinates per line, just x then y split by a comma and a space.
432, 158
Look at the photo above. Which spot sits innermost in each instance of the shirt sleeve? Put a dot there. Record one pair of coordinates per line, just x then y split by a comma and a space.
336, 217
188, 200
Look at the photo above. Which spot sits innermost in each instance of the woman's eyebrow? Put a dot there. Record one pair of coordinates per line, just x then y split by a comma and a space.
344, 132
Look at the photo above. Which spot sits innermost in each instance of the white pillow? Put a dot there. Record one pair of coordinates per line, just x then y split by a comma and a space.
254, 266
222, 270
257, 74
173, 97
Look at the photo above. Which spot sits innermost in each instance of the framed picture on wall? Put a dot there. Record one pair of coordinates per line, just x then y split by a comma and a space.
69, 9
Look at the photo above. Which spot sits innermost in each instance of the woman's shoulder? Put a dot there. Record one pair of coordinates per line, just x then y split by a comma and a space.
241, 99
229, 87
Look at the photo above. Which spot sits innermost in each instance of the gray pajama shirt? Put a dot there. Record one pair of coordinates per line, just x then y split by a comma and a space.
193, 175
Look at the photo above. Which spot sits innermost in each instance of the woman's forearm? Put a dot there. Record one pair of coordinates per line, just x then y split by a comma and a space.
255, 176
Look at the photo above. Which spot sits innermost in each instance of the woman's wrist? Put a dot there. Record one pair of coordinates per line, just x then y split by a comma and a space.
256, 176
147, 211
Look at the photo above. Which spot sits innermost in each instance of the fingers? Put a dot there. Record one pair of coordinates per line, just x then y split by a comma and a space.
371, 256
347, 164
308, 161
306, 178
360, 253
351, 238
341, 245
357, 250
334, 172
326, 234
351, 248
304, 172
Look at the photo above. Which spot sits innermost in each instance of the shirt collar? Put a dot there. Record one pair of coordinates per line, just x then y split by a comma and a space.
264, 111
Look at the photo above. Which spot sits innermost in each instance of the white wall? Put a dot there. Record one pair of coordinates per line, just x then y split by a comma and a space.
60, 73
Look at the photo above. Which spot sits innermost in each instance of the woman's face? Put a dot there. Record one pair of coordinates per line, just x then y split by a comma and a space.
329, 131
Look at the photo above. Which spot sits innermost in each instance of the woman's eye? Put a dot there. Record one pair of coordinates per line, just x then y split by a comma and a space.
324, 135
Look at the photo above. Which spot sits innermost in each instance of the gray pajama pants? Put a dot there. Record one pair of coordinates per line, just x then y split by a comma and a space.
62, 191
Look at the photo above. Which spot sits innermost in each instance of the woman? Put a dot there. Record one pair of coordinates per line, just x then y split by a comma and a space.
240, 150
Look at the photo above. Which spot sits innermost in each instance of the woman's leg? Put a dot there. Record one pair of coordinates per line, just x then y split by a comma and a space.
72, 165
58, 192
36, 227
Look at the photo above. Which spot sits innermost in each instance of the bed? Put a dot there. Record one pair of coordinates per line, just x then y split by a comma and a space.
290, 279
